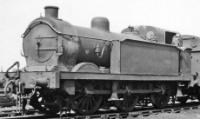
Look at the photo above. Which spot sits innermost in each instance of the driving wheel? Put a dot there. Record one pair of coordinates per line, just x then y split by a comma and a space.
128, 103
159, 100
87, 103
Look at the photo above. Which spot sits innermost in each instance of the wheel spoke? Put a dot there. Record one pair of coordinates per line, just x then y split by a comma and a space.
87, 104
92, 101
82, 102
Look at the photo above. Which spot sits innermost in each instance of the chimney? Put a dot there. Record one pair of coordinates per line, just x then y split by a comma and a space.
51, 12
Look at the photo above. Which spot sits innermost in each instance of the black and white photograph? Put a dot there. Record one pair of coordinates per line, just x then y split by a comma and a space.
99, 59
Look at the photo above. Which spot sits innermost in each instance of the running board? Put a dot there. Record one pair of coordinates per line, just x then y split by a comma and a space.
134, 91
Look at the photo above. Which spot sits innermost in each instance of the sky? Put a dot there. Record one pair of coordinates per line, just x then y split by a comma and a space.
176, 15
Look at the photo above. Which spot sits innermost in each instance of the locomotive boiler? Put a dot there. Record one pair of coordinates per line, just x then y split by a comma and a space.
82, 69
49, 41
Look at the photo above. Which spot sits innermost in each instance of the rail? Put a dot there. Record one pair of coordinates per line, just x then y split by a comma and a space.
177, 108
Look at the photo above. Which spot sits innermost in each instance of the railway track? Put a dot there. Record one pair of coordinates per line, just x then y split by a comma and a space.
16, 113
138, 112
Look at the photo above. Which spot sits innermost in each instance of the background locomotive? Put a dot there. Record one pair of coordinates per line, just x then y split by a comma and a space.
82, 69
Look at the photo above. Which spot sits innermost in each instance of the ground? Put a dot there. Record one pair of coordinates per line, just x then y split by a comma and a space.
189, 114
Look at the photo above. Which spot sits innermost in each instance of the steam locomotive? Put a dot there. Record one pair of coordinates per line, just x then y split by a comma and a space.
83, 69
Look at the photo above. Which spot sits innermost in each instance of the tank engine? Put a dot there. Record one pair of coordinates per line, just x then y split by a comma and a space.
84, 68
